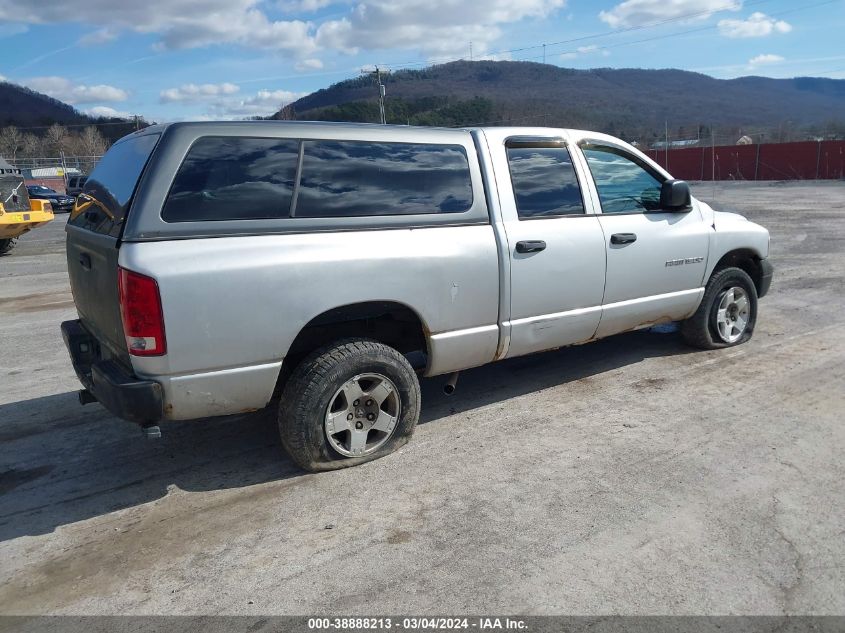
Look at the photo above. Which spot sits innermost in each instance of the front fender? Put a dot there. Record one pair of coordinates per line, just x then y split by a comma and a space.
733, 232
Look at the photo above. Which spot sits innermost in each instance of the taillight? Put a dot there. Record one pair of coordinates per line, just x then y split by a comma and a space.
140, 311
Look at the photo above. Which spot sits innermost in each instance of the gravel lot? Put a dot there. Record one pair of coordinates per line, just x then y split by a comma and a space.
631, 476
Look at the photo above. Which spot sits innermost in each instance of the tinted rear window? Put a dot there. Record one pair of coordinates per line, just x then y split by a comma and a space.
108, 190
232, 178
353, 179
544, 181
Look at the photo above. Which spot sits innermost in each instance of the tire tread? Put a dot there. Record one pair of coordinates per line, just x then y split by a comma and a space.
696, 329
301, 392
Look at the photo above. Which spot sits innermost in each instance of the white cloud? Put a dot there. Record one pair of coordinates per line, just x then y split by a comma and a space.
179, 23
100, 36
756, 25
436, 26
2, 77
303, 6
192, 93
762, 60
309, 64
263, 103
442, 27
106, 112
640, 12
585, 50
65, 90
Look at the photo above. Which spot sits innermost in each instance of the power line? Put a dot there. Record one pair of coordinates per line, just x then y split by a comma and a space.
688, 31
639, 27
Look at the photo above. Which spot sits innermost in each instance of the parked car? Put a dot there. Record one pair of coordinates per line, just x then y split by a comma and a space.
59, 201
331, 265
75, 185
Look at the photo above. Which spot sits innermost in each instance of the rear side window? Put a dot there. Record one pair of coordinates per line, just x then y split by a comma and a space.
544, 180
108, 190
233, 178
354, 179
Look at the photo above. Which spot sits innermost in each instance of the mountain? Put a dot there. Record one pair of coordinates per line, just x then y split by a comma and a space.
25, 108
627, 102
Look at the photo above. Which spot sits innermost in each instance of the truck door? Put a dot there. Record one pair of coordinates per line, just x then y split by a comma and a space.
655, 259
556, 246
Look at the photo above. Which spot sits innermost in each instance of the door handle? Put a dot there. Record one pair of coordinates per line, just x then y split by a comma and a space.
530, 246
623, 238
85, 261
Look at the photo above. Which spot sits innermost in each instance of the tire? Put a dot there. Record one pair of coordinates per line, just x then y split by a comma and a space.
718, 322
7, 245
321, 410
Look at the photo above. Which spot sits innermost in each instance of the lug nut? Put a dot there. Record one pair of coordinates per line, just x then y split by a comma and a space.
371, 417
359, 425
356, 403
369, 403
349, 417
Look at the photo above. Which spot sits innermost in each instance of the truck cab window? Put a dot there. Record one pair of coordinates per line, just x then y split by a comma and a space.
544, 181
624, 183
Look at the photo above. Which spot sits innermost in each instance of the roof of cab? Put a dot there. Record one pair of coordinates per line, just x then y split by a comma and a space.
272, 124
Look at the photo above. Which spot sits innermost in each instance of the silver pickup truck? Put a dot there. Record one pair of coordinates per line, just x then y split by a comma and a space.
221, 267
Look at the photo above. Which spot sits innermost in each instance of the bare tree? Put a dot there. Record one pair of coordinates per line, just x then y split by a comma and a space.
11, 141
91, 142
286, 113
33, 146
57, 138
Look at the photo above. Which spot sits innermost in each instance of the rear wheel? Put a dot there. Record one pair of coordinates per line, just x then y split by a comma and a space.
348, 403
727, 314
7, 245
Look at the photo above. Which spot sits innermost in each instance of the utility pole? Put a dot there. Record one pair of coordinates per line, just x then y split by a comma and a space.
544, 53
381, 92
137, 123
470, 51
713, 158
666, 124
64, 167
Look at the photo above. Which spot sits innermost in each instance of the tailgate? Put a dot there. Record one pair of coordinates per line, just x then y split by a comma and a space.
93, 238
92, 268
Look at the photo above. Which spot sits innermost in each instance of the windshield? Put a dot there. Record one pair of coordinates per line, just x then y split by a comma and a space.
104, 202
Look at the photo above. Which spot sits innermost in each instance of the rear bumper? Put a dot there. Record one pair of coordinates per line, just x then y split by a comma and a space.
123, 394
766, 270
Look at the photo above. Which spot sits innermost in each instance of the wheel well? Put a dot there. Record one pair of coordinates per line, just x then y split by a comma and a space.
387, 322
744, 259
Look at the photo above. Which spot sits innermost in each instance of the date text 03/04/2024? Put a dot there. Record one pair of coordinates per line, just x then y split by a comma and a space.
417, 623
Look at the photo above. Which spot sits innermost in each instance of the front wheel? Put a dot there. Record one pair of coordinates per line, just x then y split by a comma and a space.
7, 245
348, 403
727, 314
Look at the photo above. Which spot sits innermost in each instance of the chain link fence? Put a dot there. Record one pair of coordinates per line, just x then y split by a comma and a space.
54, 171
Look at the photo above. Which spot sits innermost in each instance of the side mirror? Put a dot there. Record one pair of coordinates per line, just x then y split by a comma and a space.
675, 196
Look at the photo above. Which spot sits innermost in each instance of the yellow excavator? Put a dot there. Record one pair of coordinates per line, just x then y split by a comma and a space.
18, 214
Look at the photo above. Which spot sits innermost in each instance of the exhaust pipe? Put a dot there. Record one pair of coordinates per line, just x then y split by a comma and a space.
449, 387
151, 431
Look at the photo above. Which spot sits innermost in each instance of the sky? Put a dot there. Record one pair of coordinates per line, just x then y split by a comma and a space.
170, 60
